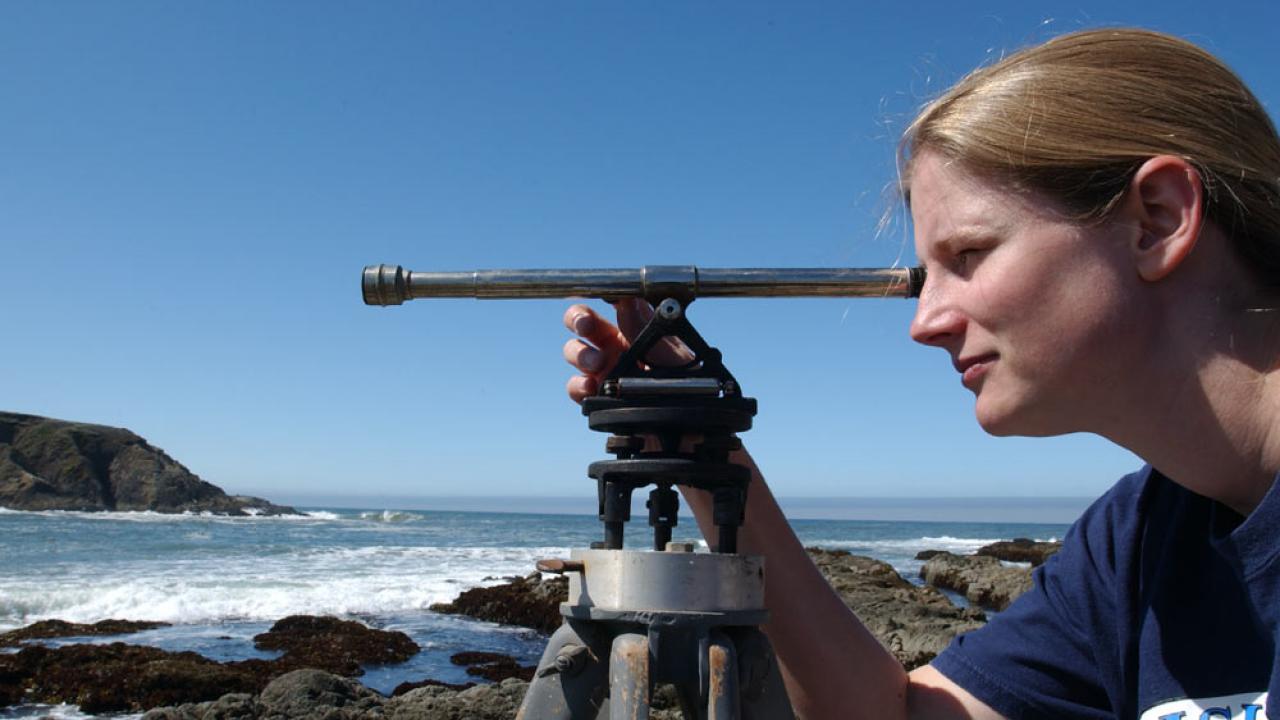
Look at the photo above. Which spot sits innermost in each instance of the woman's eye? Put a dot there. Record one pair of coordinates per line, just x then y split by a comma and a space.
967, 257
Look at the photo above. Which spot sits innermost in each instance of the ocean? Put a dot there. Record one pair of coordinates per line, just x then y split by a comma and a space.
222, 580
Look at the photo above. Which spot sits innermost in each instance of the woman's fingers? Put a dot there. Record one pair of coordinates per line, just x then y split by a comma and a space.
581, 387
593, 353
600, 343
584, 357
587, 324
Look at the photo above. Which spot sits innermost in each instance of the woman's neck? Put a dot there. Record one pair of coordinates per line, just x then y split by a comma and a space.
1208, 410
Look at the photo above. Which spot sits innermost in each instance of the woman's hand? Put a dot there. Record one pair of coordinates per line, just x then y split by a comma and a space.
599, 342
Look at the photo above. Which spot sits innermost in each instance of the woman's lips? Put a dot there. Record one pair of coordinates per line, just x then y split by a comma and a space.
972, 370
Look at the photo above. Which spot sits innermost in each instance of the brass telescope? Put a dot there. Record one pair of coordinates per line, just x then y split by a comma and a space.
392, 284
635, 619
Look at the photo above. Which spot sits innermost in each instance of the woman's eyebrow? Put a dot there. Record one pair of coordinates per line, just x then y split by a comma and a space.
965, 235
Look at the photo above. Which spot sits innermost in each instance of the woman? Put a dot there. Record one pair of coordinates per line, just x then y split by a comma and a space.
1099, 216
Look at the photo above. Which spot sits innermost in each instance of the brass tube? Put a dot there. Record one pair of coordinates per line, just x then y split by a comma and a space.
392, 284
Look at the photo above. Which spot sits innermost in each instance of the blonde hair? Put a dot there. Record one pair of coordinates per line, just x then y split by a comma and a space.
1074, 118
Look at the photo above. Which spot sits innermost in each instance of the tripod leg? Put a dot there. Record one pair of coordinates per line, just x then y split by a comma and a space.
629, 677
722, 679
569, 683
764, 697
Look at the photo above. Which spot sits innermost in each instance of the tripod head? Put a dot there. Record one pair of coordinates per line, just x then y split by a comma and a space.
650, 409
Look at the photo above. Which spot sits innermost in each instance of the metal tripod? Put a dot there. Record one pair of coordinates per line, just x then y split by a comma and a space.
636, 619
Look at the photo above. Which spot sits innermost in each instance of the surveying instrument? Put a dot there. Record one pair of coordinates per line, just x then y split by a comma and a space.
670, 615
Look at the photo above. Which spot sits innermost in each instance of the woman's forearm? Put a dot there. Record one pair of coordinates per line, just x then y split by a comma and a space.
833, 666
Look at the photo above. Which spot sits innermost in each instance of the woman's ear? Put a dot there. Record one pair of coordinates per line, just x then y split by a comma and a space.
1167, 201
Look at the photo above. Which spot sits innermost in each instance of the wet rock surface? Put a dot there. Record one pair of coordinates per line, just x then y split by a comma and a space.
531, 602
494, 667
315, 694
982, 579
482, 702
338, 646
49, 629
118, 677
913, 622
48, 464
301, 694
1021, 550
405, 687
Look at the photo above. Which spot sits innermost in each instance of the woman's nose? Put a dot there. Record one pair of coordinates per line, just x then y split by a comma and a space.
936, 321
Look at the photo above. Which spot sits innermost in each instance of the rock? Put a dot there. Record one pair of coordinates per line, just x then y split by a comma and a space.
982, 579
405, 687
475, 657
529, 601
494, 667
11, 692
316, 694
1021, 550
117, 677
338, 646
914, 623
301, 694
306, 694
232, 706
482, 702
46, 629
120, 677
48, 464
494, 702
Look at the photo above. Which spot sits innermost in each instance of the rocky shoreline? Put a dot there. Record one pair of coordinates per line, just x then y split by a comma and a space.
321, 656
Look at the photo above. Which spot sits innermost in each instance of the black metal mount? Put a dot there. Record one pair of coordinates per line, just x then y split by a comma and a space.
650, 408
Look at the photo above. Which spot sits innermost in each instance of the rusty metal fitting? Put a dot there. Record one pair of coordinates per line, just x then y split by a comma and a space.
560, 567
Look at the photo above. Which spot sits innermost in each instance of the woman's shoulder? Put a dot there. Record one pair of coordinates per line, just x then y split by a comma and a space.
1136, 496
1141, 507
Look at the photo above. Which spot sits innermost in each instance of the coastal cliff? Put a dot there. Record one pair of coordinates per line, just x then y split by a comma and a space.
48, 464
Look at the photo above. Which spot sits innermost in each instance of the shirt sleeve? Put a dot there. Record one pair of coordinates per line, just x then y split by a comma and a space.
1054, 652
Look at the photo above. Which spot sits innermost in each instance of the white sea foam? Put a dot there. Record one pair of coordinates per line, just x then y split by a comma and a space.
342, 581
57, 712
909, 546
151, 516
901, 553
390, 516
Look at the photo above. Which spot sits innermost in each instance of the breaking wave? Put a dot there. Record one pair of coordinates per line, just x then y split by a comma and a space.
338, 581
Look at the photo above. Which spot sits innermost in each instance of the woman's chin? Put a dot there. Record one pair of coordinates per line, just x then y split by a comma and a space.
1004, 419
996, 426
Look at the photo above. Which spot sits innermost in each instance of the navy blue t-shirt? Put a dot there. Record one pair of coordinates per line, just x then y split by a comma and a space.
1161, 605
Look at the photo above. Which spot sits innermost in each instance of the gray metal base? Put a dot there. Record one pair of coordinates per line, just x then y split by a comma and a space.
605, 661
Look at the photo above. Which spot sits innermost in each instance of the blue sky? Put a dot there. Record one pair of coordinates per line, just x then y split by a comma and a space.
188, 192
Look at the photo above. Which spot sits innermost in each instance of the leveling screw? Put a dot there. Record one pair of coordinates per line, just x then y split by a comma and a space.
570, 660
